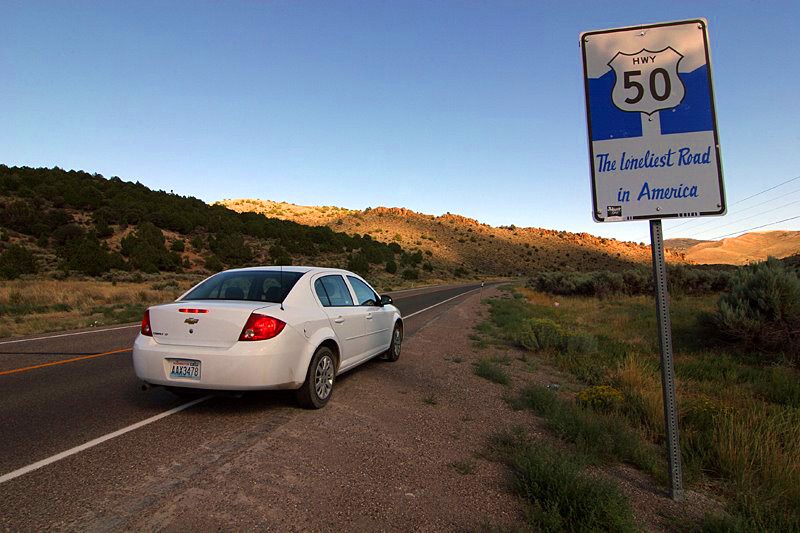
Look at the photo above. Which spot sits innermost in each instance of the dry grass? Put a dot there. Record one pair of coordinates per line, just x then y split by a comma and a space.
740, 418
639, 381
28, 307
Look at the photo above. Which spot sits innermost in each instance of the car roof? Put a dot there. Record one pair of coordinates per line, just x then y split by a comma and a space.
301, 269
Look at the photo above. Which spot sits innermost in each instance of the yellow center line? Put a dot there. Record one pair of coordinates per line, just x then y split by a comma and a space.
63, 361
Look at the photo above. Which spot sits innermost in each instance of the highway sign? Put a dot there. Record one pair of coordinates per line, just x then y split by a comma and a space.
653, 143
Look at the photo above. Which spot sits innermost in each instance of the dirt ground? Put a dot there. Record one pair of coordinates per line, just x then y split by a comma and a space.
396, 449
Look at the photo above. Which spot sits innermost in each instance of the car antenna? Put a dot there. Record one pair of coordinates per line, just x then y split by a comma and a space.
283, 296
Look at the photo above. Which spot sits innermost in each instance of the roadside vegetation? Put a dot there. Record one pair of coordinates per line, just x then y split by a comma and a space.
28, 307
557, 491
737, 377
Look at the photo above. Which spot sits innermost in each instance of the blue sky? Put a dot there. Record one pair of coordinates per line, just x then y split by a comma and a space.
470, 107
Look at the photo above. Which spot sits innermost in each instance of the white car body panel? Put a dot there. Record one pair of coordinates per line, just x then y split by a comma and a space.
277, 363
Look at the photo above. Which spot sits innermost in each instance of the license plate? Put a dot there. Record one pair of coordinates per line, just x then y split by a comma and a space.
185, 368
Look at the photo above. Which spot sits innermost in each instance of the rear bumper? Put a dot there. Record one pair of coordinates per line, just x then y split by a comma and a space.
278, 363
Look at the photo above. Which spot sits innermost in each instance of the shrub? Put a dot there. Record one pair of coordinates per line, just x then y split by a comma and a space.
147, 251
762, 309
391, 266
680, 280
213, 264
86, 255
358, 263
16, 261
488, 369
410, 273
279, 255
178, 245
558, 495
231, 249
601, 397
538, 334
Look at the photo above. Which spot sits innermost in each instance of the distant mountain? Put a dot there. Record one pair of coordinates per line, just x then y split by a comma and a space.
681, 245
741, 250
451, 241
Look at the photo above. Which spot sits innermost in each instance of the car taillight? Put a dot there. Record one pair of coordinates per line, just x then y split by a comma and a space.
261, 327
146, 329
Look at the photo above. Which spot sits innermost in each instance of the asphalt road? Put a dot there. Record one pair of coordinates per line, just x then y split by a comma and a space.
45, 410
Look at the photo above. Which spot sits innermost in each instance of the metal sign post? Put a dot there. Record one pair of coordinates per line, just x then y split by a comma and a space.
654, 151
667, 368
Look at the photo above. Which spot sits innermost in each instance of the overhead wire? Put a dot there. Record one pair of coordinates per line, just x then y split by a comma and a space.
756, 227
694, 220
747, 218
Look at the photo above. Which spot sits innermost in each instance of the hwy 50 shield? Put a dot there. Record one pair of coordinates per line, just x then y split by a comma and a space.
653, 139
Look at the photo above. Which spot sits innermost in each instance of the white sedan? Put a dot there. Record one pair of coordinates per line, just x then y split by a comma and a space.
267, 328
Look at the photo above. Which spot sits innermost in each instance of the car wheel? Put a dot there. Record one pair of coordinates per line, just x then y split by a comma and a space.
318, 386
393, 354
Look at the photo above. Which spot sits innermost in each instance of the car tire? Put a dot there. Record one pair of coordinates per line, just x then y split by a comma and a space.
393, 353
318, 386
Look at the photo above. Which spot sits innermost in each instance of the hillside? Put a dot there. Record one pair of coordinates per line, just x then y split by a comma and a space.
452, 241
681, 244
56, 223
741, 250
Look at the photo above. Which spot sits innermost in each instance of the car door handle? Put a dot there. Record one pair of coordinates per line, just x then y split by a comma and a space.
338, 320
369, 316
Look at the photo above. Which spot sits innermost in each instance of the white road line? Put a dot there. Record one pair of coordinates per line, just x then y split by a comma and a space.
71, 334
440, 303
72, 451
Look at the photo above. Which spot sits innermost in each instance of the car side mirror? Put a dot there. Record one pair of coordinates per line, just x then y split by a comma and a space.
386, 300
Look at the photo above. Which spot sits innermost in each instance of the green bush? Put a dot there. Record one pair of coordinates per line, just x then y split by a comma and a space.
762, 309
86, 255
559, 496
231, 249
491, 370
681, 279
15, 261
178, 245
213, 264
391, 266
358, 263
539, 334
146, 250
410, 273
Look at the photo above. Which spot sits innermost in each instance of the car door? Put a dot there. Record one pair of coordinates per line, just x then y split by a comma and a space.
378, 319
346, 319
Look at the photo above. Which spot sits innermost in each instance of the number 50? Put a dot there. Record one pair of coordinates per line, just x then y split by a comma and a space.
630, 83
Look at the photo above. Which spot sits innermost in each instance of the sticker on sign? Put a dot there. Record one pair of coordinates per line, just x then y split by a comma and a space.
653, 139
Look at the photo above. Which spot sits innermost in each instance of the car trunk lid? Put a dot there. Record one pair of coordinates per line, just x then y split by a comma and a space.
202, 322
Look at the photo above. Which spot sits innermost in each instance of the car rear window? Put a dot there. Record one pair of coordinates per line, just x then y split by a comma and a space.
256, 286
